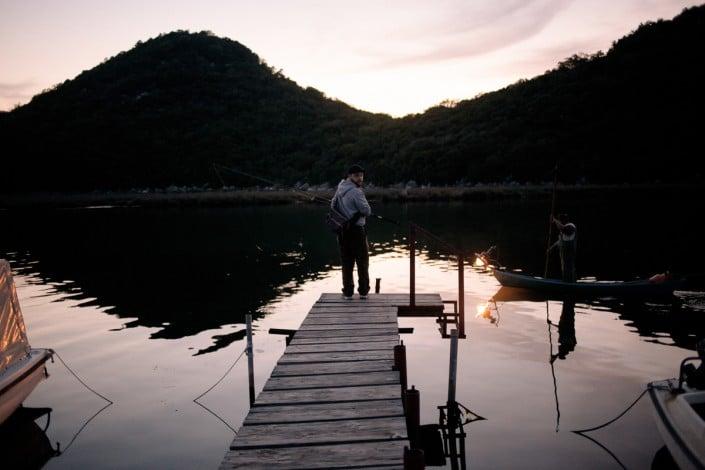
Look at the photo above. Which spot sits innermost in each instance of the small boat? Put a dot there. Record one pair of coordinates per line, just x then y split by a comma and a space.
21, 367
679, 411
640, 288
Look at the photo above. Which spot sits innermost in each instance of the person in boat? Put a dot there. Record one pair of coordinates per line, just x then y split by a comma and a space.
352, 240
567, 246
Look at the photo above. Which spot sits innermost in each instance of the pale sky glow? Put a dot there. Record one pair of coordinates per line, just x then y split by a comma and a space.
393, 56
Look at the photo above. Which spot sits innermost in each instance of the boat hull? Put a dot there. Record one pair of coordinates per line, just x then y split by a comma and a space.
587, 289
19, 380
680, 426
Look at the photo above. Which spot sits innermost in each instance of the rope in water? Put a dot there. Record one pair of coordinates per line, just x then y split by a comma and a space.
595, 428
82, 382
223, 377
195, 400
110, 402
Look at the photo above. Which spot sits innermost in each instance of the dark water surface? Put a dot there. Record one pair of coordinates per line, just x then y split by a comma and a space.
148, 306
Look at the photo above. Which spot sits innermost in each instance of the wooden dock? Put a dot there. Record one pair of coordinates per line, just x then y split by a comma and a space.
333, 400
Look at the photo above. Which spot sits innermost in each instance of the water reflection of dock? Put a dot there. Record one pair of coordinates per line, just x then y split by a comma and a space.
333, 399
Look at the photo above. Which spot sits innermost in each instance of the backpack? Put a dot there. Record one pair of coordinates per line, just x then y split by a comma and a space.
336, 220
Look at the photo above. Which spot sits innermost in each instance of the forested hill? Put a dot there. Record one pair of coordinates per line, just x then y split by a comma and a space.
165, 111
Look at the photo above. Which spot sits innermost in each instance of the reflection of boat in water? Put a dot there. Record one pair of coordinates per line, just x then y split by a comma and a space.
21, 367
680, 412
640, 288
23, 444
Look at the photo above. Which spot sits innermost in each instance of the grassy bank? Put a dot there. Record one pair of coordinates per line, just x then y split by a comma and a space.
215, 198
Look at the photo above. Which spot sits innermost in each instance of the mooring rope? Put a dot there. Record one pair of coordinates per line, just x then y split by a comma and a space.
223, 377
581, 432
595, 428
82, 382
195, 400
110, 402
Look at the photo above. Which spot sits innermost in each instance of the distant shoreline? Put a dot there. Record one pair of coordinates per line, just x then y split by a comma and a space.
244, 197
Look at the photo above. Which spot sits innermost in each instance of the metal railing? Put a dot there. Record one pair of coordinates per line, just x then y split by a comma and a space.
459, 311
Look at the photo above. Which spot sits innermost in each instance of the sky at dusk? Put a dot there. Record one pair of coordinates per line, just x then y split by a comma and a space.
393, 56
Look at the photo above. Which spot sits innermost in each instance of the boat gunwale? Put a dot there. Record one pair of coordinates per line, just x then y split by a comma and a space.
655, 394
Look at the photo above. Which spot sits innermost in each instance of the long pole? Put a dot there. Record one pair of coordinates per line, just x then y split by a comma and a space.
412, 266
553, 369
461, 295
550, 218
250, 360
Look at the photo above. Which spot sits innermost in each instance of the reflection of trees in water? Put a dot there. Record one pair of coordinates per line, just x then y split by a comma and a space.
181, 271
660, 321
184, 271
655, 319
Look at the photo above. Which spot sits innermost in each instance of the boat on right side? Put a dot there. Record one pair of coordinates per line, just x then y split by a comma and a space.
679, 411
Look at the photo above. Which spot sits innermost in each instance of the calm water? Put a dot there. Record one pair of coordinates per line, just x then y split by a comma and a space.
148, 306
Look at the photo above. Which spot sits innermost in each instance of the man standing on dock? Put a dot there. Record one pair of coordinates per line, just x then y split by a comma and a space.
352, 203
567, 246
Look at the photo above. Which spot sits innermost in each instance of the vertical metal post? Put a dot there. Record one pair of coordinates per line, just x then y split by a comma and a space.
250, 360
461, 295
452, 372
377, 284
412, 266
452, 407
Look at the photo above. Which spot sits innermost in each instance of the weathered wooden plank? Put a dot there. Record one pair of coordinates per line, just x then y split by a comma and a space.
339, 347
345, 356
334, 380
327, 395
333, 333
324, 412
351, 313
331, 368
372, 297
323, 308
322, 433
358, 323
369, 303
390, 327
332, 456
345, 339
348, 319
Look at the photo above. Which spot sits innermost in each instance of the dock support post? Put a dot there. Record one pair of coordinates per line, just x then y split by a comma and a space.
451, 404
461, 296
452, 369
412, 267
250, 360
413, 459
413, 416
377, 283
400, 364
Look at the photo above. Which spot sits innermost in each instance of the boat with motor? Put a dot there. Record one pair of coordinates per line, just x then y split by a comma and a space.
22, 367
679, 410
639, 288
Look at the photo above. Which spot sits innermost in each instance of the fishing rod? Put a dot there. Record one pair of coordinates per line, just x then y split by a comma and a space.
545, 273
310, 197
